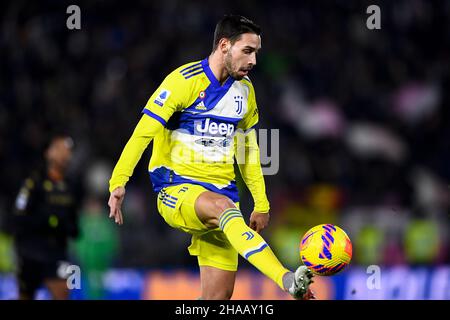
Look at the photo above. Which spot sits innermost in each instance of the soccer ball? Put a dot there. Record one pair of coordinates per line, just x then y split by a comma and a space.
326, 249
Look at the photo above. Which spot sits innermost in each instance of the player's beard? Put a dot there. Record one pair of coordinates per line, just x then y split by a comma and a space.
232, 70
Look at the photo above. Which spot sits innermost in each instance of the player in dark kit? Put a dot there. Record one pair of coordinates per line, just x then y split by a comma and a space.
45, 217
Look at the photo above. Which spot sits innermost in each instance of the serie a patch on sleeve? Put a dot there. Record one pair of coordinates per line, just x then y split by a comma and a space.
162, 97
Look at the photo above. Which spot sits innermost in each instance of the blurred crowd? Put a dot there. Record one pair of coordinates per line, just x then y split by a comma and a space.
363, 117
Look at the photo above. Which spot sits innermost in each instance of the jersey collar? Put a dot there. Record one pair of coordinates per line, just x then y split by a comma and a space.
212, 78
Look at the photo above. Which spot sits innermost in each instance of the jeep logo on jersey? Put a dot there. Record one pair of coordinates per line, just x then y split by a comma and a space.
210, 127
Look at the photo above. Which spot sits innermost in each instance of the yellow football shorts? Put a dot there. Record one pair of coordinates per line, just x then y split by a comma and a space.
176, 204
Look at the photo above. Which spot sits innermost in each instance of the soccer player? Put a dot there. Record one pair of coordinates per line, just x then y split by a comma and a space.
45, 218
194, 119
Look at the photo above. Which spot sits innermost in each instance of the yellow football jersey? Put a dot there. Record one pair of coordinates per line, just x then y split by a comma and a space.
200, 119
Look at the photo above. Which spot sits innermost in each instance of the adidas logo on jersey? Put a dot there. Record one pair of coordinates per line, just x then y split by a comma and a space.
200, 106
214, 128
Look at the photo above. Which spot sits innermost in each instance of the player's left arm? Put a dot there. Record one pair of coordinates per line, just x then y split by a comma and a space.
248, 159
250, 167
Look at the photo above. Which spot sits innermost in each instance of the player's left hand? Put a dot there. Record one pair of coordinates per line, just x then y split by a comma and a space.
259, 221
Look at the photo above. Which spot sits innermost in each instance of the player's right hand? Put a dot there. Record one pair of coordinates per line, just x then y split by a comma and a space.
115, 204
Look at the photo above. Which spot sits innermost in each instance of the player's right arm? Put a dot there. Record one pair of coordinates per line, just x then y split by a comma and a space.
167, 99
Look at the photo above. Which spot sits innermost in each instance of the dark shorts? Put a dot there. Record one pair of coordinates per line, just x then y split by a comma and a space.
31, 273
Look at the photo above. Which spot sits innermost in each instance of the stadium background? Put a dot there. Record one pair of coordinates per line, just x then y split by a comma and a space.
364, 135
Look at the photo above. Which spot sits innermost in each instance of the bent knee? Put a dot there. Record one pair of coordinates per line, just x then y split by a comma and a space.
223, 204
211, 206
220, 205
